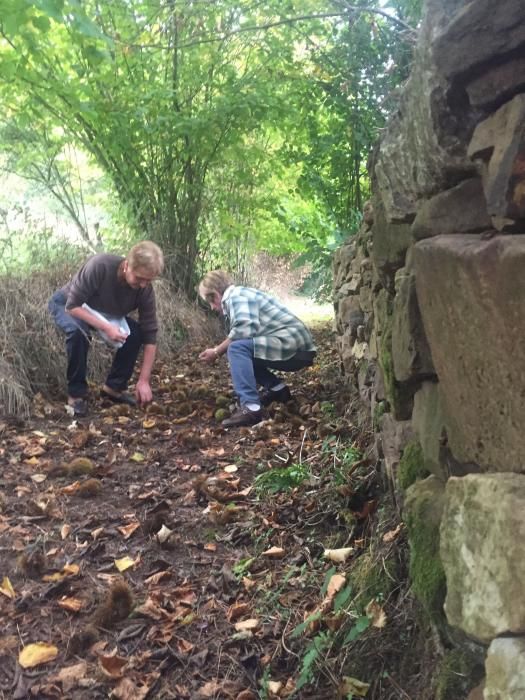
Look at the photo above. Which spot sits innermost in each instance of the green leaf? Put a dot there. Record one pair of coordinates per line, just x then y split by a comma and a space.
362, 623
342, 597
331, 571
41, 23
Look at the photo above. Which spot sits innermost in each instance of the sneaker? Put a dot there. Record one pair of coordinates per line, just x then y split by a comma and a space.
243, 416
79, 406
281, 395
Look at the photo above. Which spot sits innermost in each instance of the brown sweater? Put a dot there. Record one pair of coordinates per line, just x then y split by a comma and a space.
99, 284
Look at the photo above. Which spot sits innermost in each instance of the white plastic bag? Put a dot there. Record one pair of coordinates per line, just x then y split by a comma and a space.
120, 323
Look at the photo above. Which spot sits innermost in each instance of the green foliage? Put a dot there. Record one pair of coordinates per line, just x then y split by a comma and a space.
217, 135
314, 651
281, 479
342, 458
411, 465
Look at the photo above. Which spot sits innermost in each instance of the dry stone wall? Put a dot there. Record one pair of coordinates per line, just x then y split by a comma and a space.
430, 315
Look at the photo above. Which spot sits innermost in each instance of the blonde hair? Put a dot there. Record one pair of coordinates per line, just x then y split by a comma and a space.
214, 281
146, 256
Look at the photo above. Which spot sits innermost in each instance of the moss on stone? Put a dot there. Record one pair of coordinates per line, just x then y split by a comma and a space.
426, 570
380, 409
458, 673
411, 465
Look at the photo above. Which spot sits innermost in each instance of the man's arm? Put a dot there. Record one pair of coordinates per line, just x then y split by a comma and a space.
211, 354
143, 388
113, 333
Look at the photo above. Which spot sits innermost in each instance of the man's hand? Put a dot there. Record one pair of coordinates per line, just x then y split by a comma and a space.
115, 334
143, 392
209, 355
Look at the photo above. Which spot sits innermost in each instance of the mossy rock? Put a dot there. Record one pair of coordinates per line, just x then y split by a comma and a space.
411, 465
424, 508
400, 395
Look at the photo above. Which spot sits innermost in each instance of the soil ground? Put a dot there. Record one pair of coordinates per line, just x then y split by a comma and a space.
187, 563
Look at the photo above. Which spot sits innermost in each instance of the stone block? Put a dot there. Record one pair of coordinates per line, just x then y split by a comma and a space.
395, 435
390, 243
498, 83
461, 209
505, 667
410, 351
479, 34
471, 295
428, 423
499, 142
482, 553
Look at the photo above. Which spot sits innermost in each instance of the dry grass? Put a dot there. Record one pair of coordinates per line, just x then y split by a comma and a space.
32, 353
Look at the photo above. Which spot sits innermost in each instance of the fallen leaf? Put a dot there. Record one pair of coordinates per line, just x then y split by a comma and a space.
210, 547
392, 534
236, 611
36, 654
38, 478
65, 530
7, 589
128, 530
352, 686
274, 553
137, 457
376, 614
71, 604
149, 423
250, 625
183, 646
70, 676
112, 666
337, 581
125, 563
274, 687
231, 468
163, 534
67, 570
338, 555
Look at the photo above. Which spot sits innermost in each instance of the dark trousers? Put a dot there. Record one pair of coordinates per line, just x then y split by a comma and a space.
78, 340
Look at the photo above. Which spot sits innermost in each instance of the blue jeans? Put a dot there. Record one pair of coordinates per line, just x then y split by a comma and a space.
78, 340
248, 371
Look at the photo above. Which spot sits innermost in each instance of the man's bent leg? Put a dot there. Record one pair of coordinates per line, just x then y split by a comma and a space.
77, 345
125, 359
240, 357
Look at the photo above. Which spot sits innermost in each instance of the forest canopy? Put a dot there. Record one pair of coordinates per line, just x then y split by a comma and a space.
214, 127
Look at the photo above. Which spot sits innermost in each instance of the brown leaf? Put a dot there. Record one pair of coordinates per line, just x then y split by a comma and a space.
392, 534
71, 604
70, 676
236, 611
112, 666
376, 614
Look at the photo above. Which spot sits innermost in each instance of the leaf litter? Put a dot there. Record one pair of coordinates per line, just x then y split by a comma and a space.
174, 577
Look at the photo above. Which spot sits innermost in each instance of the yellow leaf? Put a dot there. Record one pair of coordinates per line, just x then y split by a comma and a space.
338, 555
7, 589
67, 570
124, 563
149, 423
352, 686
36, 654
137, 457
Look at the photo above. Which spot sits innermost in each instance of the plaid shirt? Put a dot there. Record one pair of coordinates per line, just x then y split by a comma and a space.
277, 334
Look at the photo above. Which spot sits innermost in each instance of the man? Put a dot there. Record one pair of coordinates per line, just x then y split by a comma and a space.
263, 334
107, 288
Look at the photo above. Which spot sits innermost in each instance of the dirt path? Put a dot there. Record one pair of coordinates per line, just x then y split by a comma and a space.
178, 559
